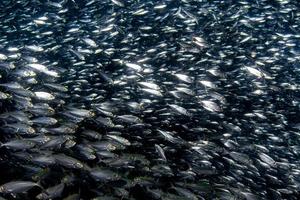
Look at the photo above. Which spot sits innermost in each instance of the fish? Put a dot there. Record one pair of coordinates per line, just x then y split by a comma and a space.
43, 69
210, 106
16, 187
119, 139
44, 96
44, 121
52, 192
18, 144
67, 161
119, 99
129, 119
134, 66
103, 175
179, 109
161, 152
90, 42
118, 3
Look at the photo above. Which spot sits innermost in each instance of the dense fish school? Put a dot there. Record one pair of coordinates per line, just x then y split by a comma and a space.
156, 100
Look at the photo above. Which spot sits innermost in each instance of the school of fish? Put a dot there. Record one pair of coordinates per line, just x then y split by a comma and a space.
156, 100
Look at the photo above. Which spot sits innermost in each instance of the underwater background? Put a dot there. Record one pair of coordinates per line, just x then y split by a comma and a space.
140, 99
